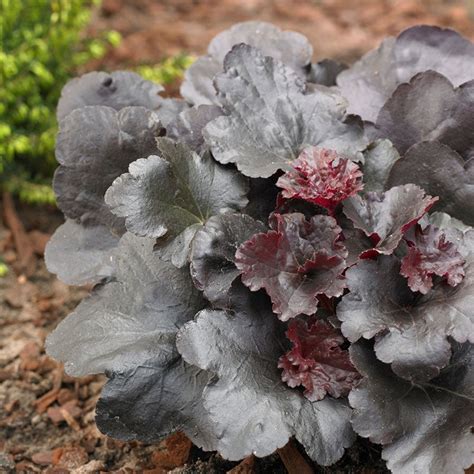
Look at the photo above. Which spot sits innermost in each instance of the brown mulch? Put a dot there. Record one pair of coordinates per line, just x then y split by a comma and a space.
47, 418
339, 29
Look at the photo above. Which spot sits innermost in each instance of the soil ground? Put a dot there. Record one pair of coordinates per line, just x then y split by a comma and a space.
46, 418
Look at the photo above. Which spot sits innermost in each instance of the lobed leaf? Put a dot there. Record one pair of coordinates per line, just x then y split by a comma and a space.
411, 332
188, 126
370, 82
79, 254
295, 262
317, 361
117, 89
127, 329
439, 171
213, 254
379, 159
270, 118
429, 108
422, 427
289, 47
94, 146
385, 217
172, 195
248, 404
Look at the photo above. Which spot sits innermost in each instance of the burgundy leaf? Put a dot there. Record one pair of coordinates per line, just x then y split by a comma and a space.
385, 217
430, 253
317, 361
294, 262
322, 177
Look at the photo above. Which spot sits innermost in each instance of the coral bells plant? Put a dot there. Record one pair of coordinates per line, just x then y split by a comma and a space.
285, 252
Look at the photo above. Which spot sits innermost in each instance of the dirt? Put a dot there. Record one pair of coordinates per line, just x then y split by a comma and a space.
47, 418
337, 29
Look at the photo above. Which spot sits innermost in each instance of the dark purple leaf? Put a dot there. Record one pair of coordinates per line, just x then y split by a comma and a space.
127, 330
431, 253
271, 117
411, 330
317, 361
252, 409
117, 89
295, 262
370, 82
322, 177
430, 108
424, 428
172, 195
442, 172
78, 254
213, 254
94, 146
385, 217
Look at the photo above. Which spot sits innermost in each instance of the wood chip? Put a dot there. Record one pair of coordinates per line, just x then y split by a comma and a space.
26, 262
46, 400
173, 452
38, 241
69, 419
293, 460
247, 466
43, 458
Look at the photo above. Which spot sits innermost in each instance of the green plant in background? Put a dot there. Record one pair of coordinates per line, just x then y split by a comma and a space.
168, 70
41, 48
3, 270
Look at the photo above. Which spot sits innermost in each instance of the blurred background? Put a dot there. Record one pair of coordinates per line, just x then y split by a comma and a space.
47, 418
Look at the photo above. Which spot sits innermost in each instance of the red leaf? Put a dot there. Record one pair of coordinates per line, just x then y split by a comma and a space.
317, 361
429, 253
295, 262
322, 177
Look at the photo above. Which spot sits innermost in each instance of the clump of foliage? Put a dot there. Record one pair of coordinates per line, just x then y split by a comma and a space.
41, 48
269, 265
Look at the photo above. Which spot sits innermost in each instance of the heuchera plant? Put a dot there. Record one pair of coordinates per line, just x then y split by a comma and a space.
287, 252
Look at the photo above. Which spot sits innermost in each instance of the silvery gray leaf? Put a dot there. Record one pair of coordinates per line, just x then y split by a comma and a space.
442, 172
411, 331
94, 146
271, 119
251, 408
79, 254
127, 329
423, 427
370, 82
289, 47
173, 194
117, 89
